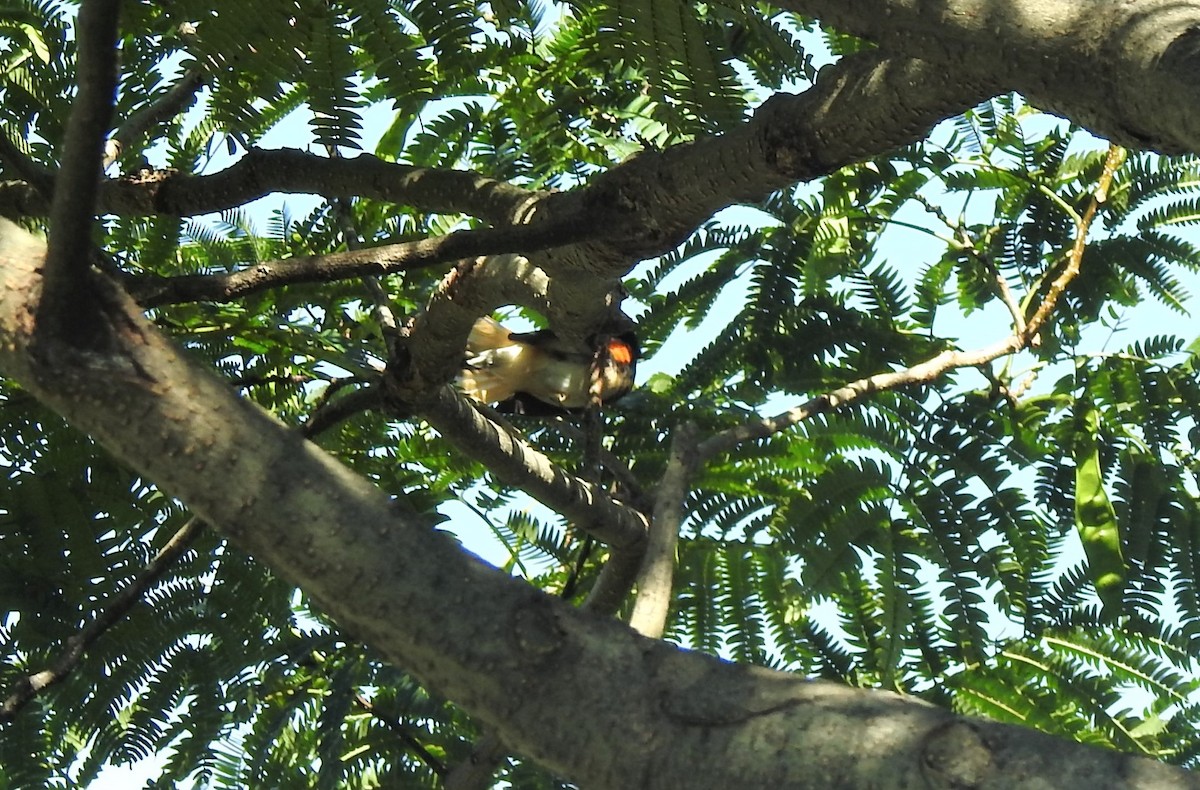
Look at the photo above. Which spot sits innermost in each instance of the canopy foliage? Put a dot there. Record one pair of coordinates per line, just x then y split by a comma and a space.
1016, 537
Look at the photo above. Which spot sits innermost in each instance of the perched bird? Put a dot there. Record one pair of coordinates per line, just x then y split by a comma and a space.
507, 368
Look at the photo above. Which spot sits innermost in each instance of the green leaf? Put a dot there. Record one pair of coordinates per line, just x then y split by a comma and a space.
1095, 517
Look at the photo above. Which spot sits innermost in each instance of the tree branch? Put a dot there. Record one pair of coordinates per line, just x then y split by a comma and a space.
1116, 155
616, 579
171, 103
1139, 86
388, 259
938, 366
66, 307
342, 408
261, 172
519, 464
61, 668
656, 577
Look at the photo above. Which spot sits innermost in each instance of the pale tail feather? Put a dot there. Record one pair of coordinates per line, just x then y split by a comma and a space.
485, 386
487, 334
495, 363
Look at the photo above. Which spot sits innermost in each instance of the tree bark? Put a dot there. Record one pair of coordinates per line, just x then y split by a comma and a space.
581, 694
1128, 71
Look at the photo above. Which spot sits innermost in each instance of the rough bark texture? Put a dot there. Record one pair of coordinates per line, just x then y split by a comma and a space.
581, 694
1128, 71
522, 661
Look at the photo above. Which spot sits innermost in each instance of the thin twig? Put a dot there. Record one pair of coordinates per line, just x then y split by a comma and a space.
921, 373
388, 259
1116, 156
343, 408
405, 734
582, 554
177, 99
28, 687
939, 365
36, 175
1010, 301
261, 381
963, 240
380, 301
590, 465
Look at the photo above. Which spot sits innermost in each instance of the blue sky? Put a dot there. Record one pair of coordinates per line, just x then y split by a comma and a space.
902, 248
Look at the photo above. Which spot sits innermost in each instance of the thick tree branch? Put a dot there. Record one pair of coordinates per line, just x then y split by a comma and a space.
67, 308
1125, 70
388, 578
262, 172
1138, 85
657, 574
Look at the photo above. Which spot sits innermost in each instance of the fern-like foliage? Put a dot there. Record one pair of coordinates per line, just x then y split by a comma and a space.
923, 539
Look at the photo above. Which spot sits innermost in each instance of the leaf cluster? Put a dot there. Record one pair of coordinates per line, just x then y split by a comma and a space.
925, 539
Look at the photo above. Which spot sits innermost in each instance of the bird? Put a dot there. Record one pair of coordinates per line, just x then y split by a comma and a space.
509, 368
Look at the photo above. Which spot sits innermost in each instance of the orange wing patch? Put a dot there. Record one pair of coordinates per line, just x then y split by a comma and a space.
620, 352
